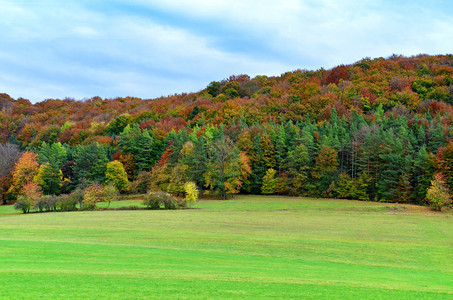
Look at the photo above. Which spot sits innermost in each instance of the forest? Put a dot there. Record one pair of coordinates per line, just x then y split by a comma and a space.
376, 130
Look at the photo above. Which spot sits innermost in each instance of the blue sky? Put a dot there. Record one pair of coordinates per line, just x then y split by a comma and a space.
148, 49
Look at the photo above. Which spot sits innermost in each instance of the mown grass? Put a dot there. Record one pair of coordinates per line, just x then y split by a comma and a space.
249, 247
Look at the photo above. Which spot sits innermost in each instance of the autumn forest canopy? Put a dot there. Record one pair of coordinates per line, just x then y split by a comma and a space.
379, 129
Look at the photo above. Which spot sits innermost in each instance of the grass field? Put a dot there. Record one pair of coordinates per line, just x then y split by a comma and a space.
249, 247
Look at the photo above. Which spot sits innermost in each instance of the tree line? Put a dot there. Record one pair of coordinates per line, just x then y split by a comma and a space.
378, 130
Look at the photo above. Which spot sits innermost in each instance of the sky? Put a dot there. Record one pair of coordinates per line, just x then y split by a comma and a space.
53, 49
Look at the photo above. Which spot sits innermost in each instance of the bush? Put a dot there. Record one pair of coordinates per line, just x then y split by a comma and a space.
46, 203
23, 204
169, 202
40, 204
154, 200
52, 201
77, 196
92, 195
67, 203
181, 203
133, 207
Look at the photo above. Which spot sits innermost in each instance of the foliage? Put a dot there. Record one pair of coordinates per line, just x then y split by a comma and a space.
32, 192
269, 182
77, 196
23, 204
49, 178
67, 203
378, 129
90, 163
25, 169
297, 166
141, 183
46, 203
152, 200
116, 175
155, 200
54, 154
438, 194
92, 195
110, 193
191, 191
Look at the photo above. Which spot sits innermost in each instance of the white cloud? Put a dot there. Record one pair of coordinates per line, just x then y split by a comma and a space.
68, 48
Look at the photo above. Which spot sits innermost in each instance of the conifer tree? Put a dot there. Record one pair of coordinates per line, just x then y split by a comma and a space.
269, 182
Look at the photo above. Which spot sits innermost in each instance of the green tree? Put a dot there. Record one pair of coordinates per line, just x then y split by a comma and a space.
268, 152
90, 163
145, 149
344, 187
325, 168
297, 165
54, 154
223, 169
116, 175
194, 156
49, 178
178, 178
269, 182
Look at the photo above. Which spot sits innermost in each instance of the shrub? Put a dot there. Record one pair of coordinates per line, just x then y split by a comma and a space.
92, 195
133, 207
23, 204
77, 196
180, 203
154, 200
51, 202
39, 204
169, 202
46, 203
67, 203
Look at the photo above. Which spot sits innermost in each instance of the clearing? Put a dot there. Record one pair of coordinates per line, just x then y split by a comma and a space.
249, 247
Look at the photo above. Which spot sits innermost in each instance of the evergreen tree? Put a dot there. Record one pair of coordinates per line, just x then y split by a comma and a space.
54, 154
325, 168
49, 178
90, 163
297, 166
269, 182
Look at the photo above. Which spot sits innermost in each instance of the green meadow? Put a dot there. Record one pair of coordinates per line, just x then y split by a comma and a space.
250, 247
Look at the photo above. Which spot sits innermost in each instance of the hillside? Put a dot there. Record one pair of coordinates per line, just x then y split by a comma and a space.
378, 129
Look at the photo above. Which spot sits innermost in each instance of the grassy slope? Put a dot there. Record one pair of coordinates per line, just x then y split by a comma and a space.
250, 247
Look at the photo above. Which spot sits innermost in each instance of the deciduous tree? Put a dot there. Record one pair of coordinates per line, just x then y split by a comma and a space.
116, 175
25, 170
438, 194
